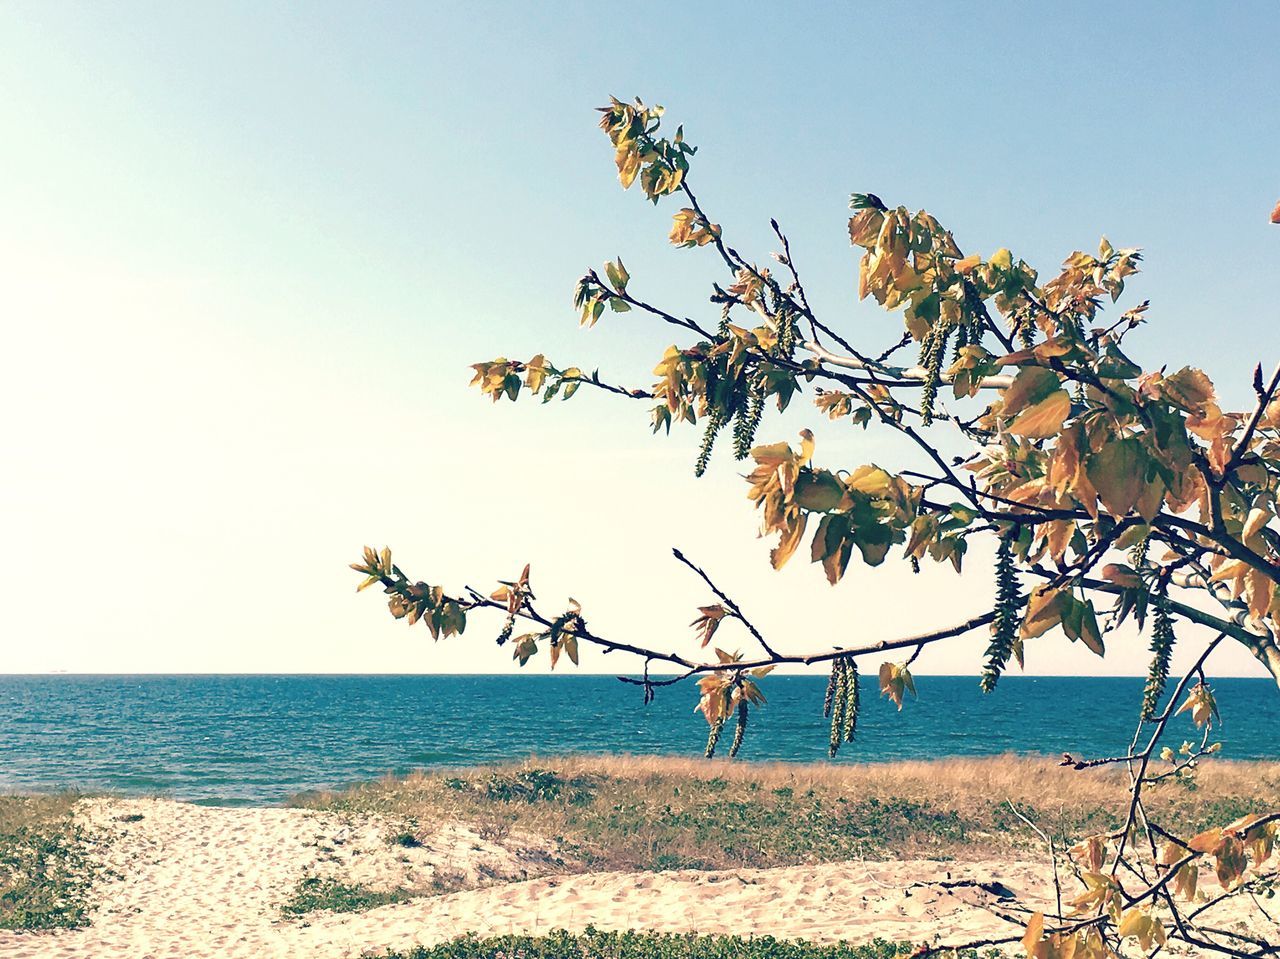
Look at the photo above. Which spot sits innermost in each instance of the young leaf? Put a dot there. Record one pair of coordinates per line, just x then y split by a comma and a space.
895, 680
706, 624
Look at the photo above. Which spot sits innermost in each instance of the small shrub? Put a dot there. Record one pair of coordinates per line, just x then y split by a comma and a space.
44, 873
315, 893
537, 785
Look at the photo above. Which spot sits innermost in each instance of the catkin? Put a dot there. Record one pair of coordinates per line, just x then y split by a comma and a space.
933, 351
851, 702
739, 731
1026, 331
713, 737
507, 628
1161, 651
831, 688
837, 706
748, 421
786, 333
723, 329
1138, 553
715, 421
1004, 628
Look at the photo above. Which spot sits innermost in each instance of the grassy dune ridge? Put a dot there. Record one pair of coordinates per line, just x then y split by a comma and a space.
622, 814
655, 813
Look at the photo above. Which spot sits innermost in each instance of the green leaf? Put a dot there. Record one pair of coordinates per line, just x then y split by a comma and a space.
1117, 472
618, 275
1030, 386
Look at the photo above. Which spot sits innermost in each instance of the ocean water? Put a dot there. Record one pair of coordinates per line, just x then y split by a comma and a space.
260, 739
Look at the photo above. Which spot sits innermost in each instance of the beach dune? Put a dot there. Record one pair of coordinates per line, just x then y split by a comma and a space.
195, 881
180, 881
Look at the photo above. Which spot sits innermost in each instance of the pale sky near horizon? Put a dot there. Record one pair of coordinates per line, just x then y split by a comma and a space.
248, 250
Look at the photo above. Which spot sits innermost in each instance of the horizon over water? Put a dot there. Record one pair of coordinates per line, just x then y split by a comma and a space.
260, 738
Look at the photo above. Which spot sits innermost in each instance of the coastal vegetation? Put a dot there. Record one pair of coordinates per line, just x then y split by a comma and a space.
1023, 430
594, 944
658, 813
322, 892
44, 872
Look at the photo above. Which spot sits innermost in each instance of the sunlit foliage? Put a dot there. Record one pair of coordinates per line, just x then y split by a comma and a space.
1110, 492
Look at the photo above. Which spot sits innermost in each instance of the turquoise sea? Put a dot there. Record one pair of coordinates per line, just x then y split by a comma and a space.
260, 739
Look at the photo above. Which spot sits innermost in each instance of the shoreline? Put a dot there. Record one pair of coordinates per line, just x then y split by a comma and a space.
628, 763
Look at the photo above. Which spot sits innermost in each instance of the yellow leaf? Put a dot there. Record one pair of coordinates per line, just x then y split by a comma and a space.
871, 480
1091, 852
895, 679
1189, 388
1045, 418
618, 275
1044, 611
1203, 708
790, 539
1035, 932
1254, 523
707, 623
1143, 926
1185, 881
1230, 862
1206, 841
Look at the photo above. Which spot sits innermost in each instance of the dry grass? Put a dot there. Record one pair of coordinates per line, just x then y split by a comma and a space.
660, 813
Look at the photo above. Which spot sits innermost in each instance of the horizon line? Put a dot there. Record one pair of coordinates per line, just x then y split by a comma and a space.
566, 675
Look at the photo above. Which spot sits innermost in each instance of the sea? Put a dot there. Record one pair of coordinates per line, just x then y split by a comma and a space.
258, 740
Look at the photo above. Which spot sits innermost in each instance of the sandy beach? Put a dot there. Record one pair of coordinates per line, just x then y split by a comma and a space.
180, 880
194, 881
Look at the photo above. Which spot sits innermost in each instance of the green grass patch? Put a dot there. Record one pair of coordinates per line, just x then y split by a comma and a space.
44, 872
315, 893
593, 944
654, 823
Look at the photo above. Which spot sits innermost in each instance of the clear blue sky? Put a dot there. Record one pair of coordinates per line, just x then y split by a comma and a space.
247, 250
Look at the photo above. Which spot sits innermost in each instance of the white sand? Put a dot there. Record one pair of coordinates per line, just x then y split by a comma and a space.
190, 882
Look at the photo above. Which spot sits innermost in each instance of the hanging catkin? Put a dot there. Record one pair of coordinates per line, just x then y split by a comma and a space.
713, 737
739, 731
851, 702
1004, 628
747, 421
1161, 651
839, 673
831, 689
933, 351
715, 421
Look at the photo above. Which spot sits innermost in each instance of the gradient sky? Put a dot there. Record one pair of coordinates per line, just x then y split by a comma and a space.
248, 250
